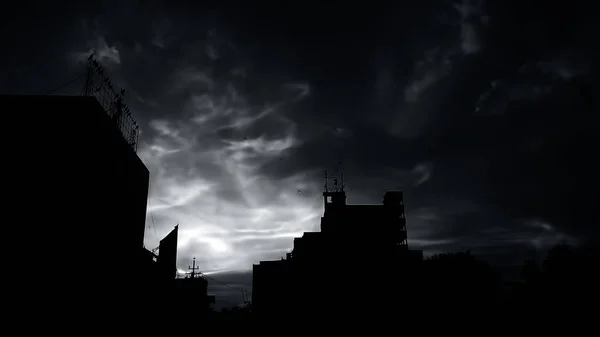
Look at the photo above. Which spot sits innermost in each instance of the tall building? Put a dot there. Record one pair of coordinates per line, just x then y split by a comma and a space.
167, 257
360, 251
80, 192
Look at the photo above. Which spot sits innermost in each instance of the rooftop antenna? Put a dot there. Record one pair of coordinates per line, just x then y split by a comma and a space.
193, 268
98, 85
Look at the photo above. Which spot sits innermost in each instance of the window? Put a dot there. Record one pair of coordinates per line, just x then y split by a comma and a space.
329, 199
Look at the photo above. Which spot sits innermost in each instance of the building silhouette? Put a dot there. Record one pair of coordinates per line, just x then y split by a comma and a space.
166, 260
81, 191
328, 271
192, 294
177, 297
157, 272
84, 193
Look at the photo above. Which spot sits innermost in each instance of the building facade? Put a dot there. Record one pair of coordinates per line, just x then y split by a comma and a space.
360, 252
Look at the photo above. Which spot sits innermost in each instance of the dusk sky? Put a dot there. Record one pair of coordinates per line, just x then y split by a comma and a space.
481, 112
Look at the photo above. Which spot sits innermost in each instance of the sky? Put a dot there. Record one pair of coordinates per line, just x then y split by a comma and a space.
480, 111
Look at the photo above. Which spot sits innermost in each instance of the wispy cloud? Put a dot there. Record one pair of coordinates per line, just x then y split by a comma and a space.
232, 151
437, 62
104, 52
472, 14
463, 224
189, 76
425, 171
434, 65
206, 175
532, 81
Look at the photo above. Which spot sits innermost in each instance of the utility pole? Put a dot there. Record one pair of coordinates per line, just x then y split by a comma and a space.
193, 268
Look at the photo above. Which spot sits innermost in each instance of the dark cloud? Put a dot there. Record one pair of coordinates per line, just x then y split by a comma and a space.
482, 112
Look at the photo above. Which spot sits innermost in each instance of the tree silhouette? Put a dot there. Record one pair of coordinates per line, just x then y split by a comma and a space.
452, 278
567, 277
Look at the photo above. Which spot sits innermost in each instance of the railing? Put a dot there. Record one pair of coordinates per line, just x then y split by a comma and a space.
97, 84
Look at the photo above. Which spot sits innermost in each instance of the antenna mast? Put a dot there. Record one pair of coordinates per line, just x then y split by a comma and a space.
193, 268
98, 85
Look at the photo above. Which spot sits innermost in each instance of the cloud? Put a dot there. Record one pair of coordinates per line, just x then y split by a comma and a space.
415, 88
437, 62
425, 170
467, 225
206, 174
158, 41
438, 65
302, 90
236, 135
471, 14
103, 52
434, 65
161, 29
533, 81
212, 52
191, 76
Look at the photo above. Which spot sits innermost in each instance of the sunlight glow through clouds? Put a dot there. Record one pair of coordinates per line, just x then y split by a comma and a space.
230, 214
262, 147
180, 194
205, 167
